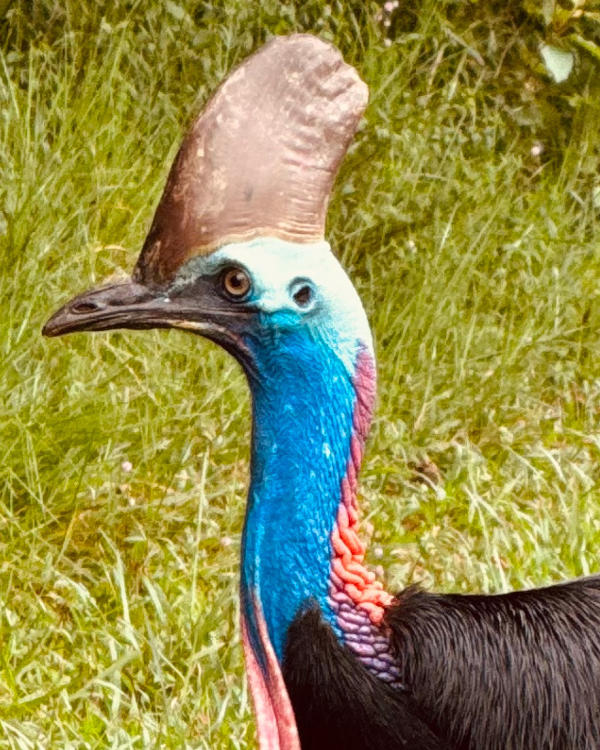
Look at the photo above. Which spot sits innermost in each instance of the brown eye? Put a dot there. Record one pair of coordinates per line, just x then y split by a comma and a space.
236, 282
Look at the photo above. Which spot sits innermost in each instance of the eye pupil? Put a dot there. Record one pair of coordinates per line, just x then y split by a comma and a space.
236, 282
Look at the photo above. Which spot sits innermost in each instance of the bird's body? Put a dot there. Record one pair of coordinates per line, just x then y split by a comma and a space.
518, 670
333, 660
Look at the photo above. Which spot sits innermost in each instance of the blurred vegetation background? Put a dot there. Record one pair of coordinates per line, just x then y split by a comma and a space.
467, 213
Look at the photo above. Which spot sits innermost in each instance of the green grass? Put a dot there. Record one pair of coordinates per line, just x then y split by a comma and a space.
477, 260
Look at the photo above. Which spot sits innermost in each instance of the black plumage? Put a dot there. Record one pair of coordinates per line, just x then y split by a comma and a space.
516, 671
338, 703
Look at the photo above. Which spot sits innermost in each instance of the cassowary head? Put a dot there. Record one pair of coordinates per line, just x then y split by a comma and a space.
236, 251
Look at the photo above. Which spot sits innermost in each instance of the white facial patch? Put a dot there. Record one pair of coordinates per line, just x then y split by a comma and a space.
276, 267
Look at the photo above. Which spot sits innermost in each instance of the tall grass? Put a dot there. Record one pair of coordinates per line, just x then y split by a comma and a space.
467, 214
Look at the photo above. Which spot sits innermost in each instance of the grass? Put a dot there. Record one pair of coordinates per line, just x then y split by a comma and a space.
467, 214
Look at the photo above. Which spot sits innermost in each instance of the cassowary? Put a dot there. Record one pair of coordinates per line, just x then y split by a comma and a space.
236, 253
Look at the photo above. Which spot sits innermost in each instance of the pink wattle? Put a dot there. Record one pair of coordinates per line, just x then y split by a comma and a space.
275, 721
355, 596
350, 579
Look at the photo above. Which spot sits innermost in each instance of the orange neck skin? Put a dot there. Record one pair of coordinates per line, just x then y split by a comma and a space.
355, 596
350, 579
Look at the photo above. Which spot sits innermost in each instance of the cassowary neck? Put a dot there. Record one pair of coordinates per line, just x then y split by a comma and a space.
301, 547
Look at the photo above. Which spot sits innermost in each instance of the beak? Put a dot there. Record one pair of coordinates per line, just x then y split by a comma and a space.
121, 305
128, 304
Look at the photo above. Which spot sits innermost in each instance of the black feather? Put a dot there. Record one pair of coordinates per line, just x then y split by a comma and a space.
517, 671
338, 704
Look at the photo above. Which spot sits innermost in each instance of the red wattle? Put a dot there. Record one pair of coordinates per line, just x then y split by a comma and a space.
275, 721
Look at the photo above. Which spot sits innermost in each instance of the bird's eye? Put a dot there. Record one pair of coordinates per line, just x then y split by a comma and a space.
236, 283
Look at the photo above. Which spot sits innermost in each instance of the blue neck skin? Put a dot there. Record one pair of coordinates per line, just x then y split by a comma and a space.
303, 402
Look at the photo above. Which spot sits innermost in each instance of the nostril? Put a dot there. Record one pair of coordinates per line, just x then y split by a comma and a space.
85, 307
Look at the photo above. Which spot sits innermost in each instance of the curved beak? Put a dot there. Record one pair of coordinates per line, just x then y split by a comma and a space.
124, 304
128, 304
